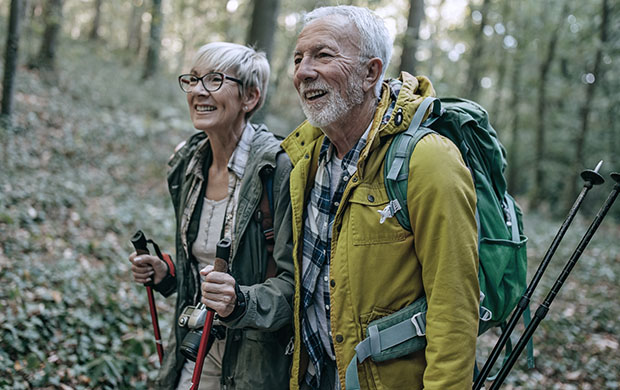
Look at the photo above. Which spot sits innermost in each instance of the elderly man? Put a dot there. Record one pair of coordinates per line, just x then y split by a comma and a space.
350, 268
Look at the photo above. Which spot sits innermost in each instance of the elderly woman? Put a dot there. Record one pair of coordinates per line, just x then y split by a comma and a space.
218, 184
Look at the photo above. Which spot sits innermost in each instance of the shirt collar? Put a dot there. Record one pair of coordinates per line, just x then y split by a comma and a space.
349, 161
239, 158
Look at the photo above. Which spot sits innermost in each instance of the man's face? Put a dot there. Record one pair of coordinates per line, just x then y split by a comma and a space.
328, 74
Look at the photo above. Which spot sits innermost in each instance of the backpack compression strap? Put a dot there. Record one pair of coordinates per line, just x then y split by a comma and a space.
390, 337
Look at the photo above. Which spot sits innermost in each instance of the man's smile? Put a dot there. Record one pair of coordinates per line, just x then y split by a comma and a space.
314, 94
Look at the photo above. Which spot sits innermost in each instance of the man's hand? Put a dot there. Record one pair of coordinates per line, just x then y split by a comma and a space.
218, 291
146, 268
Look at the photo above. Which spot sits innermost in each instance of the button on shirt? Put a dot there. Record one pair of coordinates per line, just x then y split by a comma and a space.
330, 182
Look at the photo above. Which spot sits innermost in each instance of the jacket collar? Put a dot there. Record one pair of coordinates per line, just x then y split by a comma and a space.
297, 143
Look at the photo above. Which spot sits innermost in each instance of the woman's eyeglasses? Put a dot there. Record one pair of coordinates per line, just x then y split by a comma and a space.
211, 81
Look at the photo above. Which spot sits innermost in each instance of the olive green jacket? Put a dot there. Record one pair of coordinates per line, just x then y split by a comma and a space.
254, 356
377, 269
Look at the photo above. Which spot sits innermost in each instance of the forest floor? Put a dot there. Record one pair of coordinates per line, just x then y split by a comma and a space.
83, 168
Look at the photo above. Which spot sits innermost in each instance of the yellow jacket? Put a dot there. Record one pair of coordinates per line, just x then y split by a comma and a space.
376, 269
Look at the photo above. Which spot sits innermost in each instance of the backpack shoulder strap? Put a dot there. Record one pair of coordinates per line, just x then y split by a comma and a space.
266, 208
396, 168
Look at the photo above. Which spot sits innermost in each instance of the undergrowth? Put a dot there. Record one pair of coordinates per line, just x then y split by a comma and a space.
84, 166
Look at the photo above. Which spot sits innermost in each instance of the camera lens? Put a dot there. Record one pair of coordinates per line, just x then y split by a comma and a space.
191, 343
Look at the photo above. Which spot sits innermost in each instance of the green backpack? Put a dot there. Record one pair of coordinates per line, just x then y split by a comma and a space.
502, 250
501, 242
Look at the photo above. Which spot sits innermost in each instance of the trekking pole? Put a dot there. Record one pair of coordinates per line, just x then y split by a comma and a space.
591, 178
222, 254
139, 243
542, 310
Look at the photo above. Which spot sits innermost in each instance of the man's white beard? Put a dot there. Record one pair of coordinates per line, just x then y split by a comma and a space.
336, 106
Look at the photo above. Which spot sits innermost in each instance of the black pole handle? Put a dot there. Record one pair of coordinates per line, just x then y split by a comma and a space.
222, 255
139, 242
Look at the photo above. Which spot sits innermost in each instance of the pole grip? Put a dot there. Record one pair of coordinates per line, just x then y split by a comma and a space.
139, 243
222, 254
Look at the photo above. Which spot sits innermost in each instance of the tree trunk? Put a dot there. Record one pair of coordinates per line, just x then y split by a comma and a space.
261, 35
613, 131
472, 86
538, 192
279, 75
10, 60
435, 50
94, 32
186, 37
586, 108
151, 64
496, 104
516, 96
139, 35
27, 33
134, 28
263, 26
408, 61
53, 17
513, 154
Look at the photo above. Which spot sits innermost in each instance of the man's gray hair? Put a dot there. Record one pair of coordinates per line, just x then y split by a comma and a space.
242, 62
375, 39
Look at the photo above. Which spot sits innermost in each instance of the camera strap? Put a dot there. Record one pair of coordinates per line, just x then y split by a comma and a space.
231, 208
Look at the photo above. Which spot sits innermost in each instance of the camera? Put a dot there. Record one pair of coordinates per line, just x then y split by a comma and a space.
193, 318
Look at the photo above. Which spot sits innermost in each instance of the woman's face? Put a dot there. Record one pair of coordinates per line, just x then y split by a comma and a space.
219, 110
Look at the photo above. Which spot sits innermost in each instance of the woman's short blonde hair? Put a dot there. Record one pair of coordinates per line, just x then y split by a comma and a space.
243, 62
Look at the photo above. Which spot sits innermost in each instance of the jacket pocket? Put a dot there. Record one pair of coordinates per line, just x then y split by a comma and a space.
365, 202
503, 279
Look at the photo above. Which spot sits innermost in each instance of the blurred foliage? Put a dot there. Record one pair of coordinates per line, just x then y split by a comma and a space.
82, 169
84, 164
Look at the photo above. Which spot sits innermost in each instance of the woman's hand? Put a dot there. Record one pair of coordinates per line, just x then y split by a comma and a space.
218, 291
146, 268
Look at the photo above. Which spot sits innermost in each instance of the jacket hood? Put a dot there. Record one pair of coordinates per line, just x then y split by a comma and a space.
408, 92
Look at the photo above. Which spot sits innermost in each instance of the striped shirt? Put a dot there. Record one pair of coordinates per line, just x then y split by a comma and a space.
236, 166
320, 213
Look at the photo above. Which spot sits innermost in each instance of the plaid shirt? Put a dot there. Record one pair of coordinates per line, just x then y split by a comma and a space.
320, 213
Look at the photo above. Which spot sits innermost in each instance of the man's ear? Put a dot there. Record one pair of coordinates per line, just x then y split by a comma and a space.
374, 69
251, 98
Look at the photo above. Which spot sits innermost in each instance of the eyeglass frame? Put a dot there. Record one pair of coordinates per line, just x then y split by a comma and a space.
201, 78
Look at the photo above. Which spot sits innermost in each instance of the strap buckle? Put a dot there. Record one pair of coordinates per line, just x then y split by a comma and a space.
418, 324
390, 210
